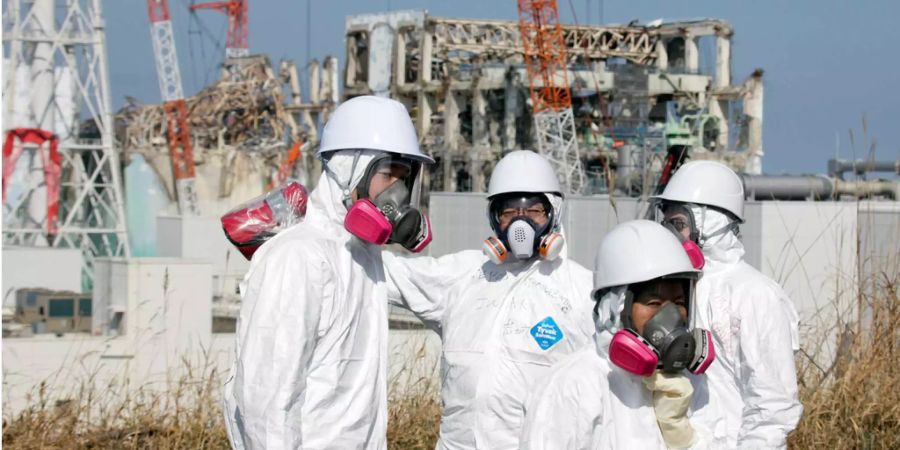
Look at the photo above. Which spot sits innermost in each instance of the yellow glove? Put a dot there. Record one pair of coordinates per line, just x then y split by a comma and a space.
672, 395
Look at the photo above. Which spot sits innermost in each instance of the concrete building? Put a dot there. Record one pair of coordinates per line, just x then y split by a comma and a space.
56, 312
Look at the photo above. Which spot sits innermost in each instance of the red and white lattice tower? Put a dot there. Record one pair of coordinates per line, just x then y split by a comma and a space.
177, 130
236, 45
546, 63
62, 176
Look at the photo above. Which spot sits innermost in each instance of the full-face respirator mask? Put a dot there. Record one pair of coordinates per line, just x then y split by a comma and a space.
696, 240
667, 343
523, 236
389, 218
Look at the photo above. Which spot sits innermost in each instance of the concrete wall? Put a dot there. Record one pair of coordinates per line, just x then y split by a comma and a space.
114, 367
810, 249
22, 269
202, 238
587, 219
156, 315
879, 238
154, 298
458, 221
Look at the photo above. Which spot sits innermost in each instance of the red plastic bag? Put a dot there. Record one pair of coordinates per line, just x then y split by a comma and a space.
253, 223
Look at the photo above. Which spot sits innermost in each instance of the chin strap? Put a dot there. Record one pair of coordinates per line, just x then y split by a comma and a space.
732, 225
346, 191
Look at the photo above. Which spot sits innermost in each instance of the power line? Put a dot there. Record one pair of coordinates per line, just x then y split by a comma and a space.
204, 33
308, 28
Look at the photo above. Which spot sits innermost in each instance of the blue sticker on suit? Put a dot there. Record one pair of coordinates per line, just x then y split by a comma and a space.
546, 333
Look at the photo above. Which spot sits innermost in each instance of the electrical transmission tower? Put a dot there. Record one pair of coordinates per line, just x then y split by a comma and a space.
551, 100
56, 95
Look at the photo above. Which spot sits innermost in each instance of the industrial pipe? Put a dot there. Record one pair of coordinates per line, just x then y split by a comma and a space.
867, 188
837, 167
787, 187
815, 187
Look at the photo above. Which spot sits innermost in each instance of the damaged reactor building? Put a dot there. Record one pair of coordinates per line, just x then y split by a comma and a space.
639, 92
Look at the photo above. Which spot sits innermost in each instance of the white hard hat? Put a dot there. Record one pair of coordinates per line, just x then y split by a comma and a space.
523, 171
638, 251
707, 183
372, 123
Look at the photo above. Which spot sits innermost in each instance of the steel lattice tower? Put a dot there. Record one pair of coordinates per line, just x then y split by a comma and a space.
545, 60
56, 81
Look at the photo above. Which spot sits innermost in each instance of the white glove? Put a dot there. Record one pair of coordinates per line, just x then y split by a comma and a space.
671, 398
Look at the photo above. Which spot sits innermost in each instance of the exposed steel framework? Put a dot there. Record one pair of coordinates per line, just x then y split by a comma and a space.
177, 131
551, 100
236, 45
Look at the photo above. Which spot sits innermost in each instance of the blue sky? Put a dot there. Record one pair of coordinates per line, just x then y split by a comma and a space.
827, 63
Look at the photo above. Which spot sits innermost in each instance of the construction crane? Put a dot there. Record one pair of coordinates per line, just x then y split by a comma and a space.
551, 100
178, 133
236, 45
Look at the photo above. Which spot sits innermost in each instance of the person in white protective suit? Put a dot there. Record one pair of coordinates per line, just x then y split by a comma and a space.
504, 314
754, 323
311, 355
637, 386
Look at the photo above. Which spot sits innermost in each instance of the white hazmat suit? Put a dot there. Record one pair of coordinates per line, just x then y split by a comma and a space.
754, 327
311, 347
589, 403
502, 327
502, 324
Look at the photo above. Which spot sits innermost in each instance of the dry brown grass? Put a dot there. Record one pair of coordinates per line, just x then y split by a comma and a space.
189, 415
414, 406
186, 416
854, 403
413, 422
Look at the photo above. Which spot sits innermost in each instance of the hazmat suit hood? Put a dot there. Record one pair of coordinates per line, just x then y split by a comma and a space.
558, 203
608, 318
721, 247
339, 179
